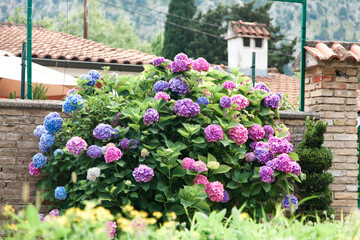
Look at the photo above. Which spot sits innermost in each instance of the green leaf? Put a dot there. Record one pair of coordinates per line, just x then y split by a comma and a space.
211, 158
266, 187
294, 156
183, 132
105, 196
32, 216
203, 207
198, 140
178, 172
283, 134
232, 185
221, 169
136, 127
248, 124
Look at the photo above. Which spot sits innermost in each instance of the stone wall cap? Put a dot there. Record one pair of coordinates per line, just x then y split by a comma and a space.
42, 104
298, 115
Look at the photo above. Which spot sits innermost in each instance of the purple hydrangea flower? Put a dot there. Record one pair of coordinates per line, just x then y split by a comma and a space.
158, 61
296, 169
188, 163
186, 108
124, 144
41, 216
115, 133
151, 115
256, 132
39, 160
71, 91
134, 143
143, 173
54, 212
116, 120
179, 66
94, 151
272, 101
161, 86
213, 133
181, 56
179, 86
250, 157
202, 101
279, 95
266, 174
47, 140
103, 131
199, 166
288, 201
39, 130
269, 131
263, 155
282, 163
229, 85
279, 145
226, 197
201, 64
60, 193
261, 145
225, 102
262, 86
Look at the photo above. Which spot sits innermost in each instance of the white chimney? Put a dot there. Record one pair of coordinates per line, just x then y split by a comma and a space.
244, 38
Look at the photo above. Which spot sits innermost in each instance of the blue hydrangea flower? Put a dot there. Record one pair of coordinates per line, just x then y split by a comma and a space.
94, 151
115, 133
263, 155
226, 197
202, 101
39, 160
60, 193
161, 86
39, 130
179, 86
43, 148
288, 201
72, 103
102, 131
58, 153
92, 77
53, 123
47, 140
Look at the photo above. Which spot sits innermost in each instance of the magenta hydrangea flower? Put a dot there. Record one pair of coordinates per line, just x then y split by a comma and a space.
213, 133
199, 166
261, 145
296, 169
181, 56
263, 155
215, 191
112, 154
158, 61
186, 108
256, 132
272, 101
162, 95
143, 173
239, 134
229, 85
33, 170
76, 145
188, 163
201, 179
279, 145
54, 212
241, 101
250, 157
225, 102
282, 163
269, 131
111, 229
266, 174
151, 115
103, 131
201, 64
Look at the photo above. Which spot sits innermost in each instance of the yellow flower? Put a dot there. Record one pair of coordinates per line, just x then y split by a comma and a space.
157, 214
150, 221
103, 214
8, 208
12, 227
124, 224
63, 221
134, 214
244, 215
171, 216
128, 208
169, 224
143, 214
71, 211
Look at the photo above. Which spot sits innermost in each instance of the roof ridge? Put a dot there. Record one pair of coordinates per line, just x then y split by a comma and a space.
20, 24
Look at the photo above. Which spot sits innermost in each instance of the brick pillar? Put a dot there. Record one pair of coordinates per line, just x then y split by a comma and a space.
334, 99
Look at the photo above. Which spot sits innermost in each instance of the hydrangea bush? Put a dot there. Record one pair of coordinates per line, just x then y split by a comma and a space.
182, 136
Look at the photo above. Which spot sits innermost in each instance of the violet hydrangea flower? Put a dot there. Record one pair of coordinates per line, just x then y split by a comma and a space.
186, 108
158, 61
179, 86
225, 102
280, 145
215, 191
103, 131
151, 115
76, 145
162, 95
213, 133
201, 64
262, 86
179, 66
202, 101
94, 151
296, 169
33, 170
201, 179
54, 212
112, 154
226, 197
272, 101
266, 174
39, 130
229, 85
256, 132
143, 173
241, 101
282, 163
71, 91
161, 86
188, 163
269, 131
288, 201
263, 155
239, 134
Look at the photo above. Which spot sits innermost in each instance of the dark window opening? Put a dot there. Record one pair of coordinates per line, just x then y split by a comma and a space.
246, 42
258, 42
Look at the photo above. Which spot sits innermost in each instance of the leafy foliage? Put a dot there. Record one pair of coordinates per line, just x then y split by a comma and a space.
40, 91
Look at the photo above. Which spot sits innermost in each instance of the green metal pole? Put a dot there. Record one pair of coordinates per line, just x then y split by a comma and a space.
29, 51
253, 68
23, 66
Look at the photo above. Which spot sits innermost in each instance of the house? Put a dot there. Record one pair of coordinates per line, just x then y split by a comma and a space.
70, 54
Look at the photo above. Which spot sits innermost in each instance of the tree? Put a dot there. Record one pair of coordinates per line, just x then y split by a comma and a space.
176, 39
157, 44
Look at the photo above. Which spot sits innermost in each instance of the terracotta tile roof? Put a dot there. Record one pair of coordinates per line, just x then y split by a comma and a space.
58, 45
250, 28
339, 51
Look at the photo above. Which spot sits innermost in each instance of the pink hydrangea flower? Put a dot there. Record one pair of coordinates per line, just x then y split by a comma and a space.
266, 174
213, 133
138, 224
112, 154
282, 163
239, 134
188, 163
199, 166
201, 64
215, 191
296, 169
229, 85
111, 229
256, 132
162, 95
241, 101
76, 145
110, 145
280, 145
33, 170
201, 179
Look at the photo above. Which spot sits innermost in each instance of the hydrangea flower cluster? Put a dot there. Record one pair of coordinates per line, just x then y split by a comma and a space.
290, 202
72, 103
256, 132
201, 64
262, 86
60, 193
116, 121
94, 151
47, 140
202, 101
239, 134
39, 130
161, 86
266, 174
39, 160
76, 145
229, 85
162, 95
269, 131
296, 169
151, 115
199, 166
213, 133
179, 66
241, 101
111, 229
54, 212
201, 179
280, 145
282, 163
58, 153
92, 77
250, 157
93, 173
225, 102
33, 170
103, 131
143, 173
70, 92
226, 197
272, 101
263, 155
186, 108
188, 163
158, 61
112, 154
215, 191
179, 86
53, 123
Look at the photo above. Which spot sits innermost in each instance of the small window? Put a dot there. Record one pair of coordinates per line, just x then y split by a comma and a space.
258, 42
246, 42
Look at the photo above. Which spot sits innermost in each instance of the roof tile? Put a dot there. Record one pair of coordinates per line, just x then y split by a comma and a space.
250, 28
